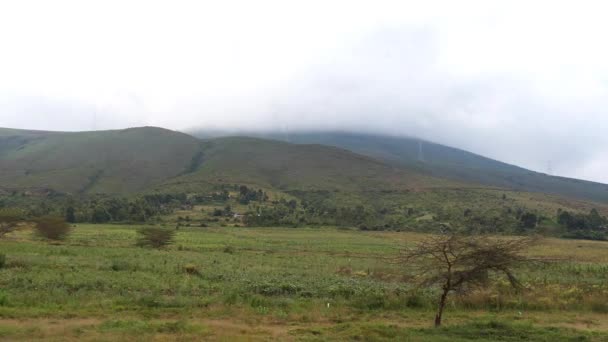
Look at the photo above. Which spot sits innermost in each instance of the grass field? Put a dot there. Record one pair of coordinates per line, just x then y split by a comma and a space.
280, 284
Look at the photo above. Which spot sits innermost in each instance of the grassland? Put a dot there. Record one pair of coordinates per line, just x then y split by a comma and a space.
282, 284
122, 161
442, 162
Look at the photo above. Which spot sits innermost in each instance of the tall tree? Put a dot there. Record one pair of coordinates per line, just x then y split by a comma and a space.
462, 263
70, 215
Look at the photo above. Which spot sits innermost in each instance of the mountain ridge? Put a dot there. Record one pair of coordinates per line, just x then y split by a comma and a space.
441, 161
151, 158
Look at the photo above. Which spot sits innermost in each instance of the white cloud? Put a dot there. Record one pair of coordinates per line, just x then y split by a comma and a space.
524, 82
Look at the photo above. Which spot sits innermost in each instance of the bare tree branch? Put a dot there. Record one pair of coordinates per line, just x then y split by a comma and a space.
460, 263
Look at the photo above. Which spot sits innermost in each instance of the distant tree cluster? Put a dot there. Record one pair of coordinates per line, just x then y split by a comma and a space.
226, 211
584, 226
221, 196
291, 213
112, 209
247, 195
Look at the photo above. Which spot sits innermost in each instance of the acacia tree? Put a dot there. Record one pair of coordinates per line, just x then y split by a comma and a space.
155, 237
459, 263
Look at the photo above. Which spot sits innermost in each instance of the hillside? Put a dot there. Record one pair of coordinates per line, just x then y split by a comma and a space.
337, 186
444, 162
283, 166
141, 159
119, 161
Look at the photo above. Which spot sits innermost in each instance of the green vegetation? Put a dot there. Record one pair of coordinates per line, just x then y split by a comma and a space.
122, 161
446, 162
52, 228
318, 257
9, 220
581, 226
155, 237
290, 284
466, 210
461, 264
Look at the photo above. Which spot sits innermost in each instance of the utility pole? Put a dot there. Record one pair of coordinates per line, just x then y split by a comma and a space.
420, 154
287, 133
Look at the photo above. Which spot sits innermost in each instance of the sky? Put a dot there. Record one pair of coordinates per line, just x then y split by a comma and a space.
525, 82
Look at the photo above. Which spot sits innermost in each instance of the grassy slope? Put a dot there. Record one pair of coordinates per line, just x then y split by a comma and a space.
145, 159
446, 162
142, 158
284, 166
105, 161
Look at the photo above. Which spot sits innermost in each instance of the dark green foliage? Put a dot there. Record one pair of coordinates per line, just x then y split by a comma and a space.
9, 220
53, 228
2, 260
528, 221
100, 208
122, 265
197, 161
191, 269
229, 249
70, 215
581, 226
155, 237
220, 196
247, 195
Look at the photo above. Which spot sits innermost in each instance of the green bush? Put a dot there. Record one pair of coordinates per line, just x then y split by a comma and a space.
53, 228
3, 298
415, 300
155, 237
9, 220
2, 260
191, 269
121, 265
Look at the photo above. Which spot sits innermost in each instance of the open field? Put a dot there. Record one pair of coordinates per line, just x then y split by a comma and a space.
282, 284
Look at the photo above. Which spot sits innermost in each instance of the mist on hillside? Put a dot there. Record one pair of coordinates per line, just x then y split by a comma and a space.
464, 76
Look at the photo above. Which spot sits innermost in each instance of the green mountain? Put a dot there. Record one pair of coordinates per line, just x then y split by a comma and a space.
148, 158
118, 161
444, 162
143, 159
287, 167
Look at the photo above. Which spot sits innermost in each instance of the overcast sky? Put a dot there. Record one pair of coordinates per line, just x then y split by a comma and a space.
524, 82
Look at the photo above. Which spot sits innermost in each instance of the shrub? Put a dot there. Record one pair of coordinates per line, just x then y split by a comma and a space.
9, 220
3, 298
229, 249
414, 300
155, 237
191, 269
121, 265
53, 228
2, 260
